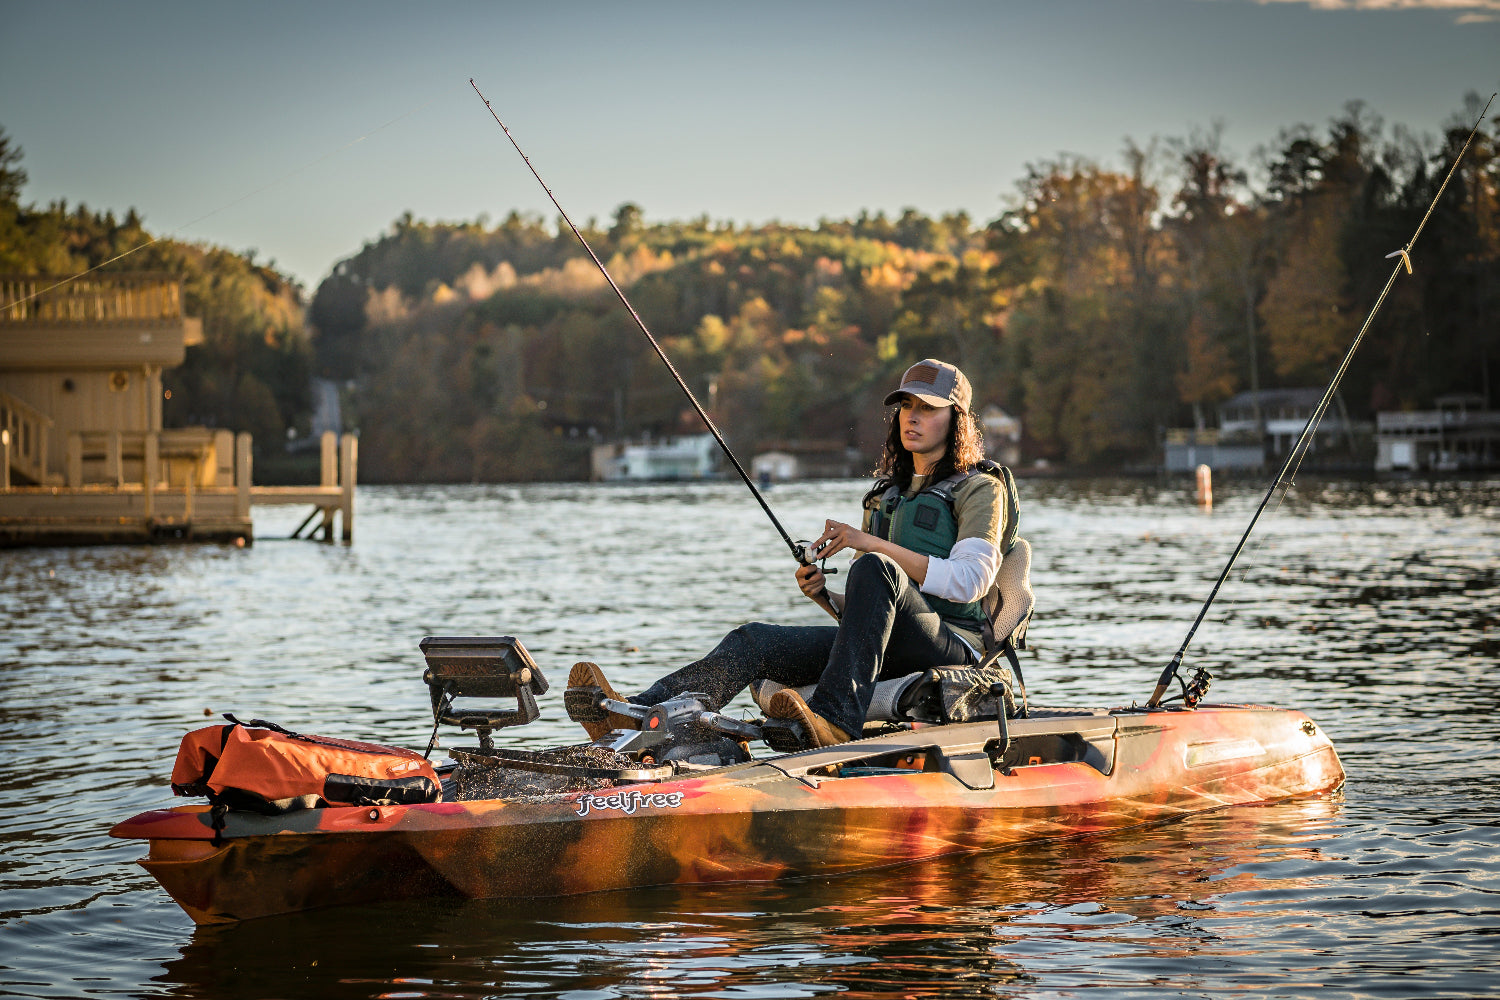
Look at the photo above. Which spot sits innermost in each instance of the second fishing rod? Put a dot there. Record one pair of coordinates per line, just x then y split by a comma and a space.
799, 551
1194, 690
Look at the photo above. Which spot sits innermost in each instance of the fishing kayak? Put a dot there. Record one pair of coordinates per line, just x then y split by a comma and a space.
905, 794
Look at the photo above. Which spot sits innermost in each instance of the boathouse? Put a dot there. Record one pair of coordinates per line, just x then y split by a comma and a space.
84, 457
1460, 435
1257, 429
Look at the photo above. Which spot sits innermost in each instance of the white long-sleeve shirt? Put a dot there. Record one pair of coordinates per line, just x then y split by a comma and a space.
967, 574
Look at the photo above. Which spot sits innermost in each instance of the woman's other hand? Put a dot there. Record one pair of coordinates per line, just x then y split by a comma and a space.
838, 536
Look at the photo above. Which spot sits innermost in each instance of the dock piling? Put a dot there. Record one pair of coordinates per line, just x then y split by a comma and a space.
328, 476
152, 473
349, 462
75, 460
114, 461
242, 475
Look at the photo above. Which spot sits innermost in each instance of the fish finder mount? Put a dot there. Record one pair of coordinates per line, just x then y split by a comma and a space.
480, 667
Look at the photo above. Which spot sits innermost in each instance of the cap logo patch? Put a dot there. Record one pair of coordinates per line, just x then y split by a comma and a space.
922, 373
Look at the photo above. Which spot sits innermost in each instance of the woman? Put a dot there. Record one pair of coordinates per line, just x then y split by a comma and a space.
929, 551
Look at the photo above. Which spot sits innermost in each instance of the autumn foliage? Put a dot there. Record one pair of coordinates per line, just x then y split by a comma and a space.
1106, 303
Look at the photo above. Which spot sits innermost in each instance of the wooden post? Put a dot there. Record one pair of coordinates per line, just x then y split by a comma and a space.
152, 472
328, 465
114, 464
328, 468
187, 494
349, 462
242, 476
151, 376
75, 460
1205, 487
5, 459
223, 458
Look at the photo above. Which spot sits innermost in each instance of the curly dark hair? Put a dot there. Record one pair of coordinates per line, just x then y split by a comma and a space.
965, 450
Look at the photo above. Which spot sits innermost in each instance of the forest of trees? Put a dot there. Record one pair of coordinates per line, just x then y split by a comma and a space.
1108, 302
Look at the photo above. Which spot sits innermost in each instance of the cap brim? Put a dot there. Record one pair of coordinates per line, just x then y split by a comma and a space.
924, 397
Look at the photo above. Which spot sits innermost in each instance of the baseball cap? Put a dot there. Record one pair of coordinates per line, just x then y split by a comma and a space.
935, 382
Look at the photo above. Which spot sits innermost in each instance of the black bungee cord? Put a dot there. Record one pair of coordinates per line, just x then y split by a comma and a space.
1194, 690
799, 551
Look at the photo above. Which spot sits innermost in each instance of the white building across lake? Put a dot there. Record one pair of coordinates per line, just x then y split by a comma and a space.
1257, 429
688, 456
1459, 435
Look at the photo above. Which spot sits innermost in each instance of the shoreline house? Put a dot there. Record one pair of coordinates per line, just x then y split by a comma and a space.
688, 456
1460, 435
1259, 428
1002, 435
84, 458
783, 461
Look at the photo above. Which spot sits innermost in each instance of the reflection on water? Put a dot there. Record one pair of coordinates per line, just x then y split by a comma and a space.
1371, 606
1106, 912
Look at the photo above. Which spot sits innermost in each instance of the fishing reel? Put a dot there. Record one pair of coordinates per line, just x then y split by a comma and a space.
1196, 688
807, 558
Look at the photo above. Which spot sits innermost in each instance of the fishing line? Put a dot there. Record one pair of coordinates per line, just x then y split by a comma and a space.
798, 551
1299, 450
1285, 487
228, 205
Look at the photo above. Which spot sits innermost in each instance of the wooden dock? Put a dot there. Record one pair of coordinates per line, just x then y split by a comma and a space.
158, 509
84, 458
334, 496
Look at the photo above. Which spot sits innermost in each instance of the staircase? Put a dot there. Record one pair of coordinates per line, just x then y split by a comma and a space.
23, 438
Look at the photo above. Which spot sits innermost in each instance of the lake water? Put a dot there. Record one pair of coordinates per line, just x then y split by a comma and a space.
1374, 608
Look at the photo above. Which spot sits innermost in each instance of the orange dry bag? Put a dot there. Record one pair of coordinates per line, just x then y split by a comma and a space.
262, 767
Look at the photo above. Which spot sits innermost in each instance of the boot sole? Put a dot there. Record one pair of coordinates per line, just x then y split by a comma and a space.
582, 704
785, 735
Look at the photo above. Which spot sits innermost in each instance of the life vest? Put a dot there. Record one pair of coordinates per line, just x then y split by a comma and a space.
925, 523
267, 769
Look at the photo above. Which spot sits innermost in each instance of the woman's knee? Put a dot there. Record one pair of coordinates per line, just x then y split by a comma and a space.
874, 566
751, 637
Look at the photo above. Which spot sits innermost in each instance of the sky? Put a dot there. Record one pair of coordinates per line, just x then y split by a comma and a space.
303, 130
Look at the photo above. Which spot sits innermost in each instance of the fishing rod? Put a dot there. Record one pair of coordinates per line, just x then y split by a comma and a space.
1193, 691
799, 551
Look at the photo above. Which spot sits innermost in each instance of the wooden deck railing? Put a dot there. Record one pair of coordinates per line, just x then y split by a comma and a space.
184, 456
26, 447
147, 297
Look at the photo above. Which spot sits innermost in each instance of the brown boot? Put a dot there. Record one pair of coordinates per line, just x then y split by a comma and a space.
581, 699
817, 731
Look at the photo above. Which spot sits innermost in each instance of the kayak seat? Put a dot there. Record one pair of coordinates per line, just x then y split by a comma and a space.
961, 692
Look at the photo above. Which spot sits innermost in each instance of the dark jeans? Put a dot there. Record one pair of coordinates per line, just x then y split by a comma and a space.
887, 630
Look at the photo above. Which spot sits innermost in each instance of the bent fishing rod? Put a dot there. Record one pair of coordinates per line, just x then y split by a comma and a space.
799, 552
1193, 691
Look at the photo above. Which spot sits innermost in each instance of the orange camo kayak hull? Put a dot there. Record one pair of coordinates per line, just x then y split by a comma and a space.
876, 802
